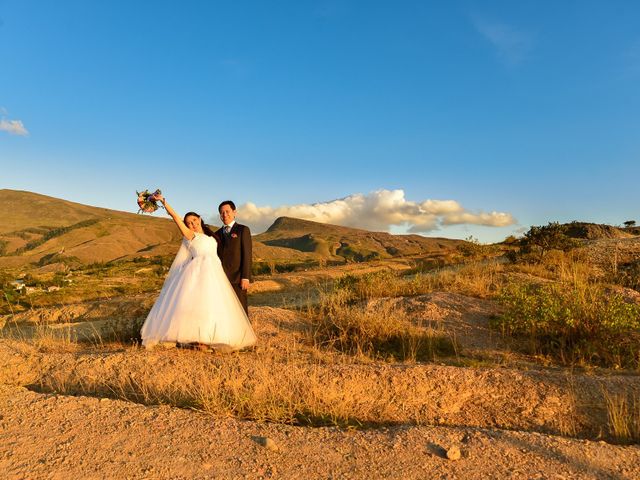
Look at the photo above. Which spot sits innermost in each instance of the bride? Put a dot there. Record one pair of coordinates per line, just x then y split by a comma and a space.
197, 303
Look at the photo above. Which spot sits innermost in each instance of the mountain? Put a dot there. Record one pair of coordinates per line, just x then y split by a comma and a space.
42, 231
336, 242
37, 229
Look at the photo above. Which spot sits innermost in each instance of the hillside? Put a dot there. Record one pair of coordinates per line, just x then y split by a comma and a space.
37, 229
332, 241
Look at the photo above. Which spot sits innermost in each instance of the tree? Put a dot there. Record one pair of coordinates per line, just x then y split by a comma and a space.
542, 239
630, 223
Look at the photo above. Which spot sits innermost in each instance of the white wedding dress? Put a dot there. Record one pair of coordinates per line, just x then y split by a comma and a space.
197, 302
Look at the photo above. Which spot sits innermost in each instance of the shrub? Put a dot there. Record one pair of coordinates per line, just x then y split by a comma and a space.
582, 322
541, 239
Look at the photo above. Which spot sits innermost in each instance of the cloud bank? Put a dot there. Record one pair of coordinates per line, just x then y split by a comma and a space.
13, 127
378, 211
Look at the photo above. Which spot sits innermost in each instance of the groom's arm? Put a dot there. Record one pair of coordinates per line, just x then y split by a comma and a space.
246, 254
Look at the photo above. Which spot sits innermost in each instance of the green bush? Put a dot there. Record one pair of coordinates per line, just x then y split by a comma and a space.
573, 323
540, 240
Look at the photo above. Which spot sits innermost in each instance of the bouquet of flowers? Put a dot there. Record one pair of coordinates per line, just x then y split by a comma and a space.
148, 202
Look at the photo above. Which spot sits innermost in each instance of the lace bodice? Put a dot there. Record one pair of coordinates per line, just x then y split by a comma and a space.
202, 245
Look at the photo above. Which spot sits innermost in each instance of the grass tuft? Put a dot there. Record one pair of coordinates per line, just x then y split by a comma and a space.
623, 413
383, 332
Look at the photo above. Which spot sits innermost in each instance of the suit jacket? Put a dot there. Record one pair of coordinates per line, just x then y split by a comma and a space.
234, 251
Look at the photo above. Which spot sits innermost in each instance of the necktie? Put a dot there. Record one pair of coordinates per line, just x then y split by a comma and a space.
227, 229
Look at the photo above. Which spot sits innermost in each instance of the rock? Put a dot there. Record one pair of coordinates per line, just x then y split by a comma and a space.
267, 443
454, 453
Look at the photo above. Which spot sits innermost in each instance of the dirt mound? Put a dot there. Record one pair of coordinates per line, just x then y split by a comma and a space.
594, 231
462, 317
612, 254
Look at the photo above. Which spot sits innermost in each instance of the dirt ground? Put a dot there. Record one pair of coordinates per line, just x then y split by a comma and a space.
55, 436
497, 421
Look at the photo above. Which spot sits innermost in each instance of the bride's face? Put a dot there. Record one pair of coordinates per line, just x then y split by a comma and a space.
194, 224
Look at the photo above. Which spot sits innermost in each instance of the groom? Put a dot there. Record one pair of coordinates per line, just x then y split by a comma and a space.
234, 250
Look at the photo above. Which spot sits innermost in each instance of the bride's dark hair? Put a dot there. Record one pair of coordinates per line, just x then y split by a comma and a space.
205, 228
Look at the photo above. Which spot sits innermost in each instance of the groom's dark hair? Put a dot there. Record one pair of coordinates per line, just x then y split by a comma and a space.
227, 202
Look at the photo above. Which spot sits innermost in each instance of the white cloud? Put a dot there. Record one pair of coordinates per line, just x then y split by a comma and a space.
378, 211
512, 45
13, 127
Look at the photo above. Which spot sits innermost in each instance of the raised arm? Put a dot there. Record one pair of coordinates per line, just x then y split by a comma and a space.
186, 232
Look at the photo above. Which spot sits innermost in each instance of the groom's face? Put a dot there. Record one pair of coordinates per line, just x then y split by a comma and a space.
227, 214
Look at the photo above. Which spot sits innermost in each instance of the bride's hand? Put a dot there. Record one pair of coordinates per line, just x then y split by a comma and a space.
159, 198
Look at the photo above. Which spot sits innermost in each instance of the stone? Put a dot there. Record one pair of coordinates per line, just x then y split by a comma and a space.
453, 453
267, 443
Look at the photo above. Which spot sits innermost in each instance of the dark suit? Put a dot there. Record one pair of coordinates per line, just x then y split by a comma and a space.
234, 250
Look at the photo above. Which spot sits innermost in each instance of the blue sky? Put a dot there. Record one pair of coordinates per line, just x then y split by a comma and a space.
527, 109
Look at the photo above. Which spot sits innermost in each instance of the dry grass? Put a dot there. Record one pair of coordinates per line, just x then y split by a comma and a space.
265, 387
44, 337
623, 412
56, 337
382, 333
478, 279
287, 386
292, 383
566, 267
